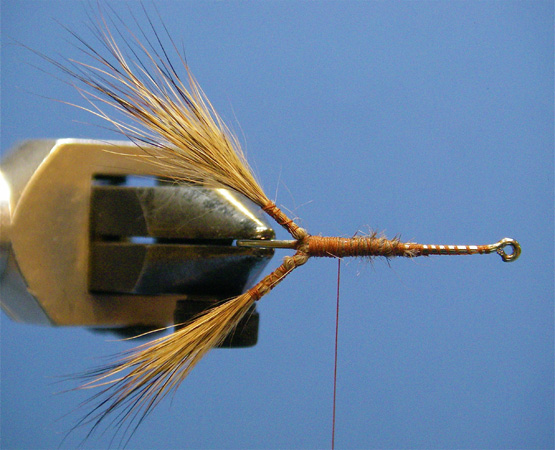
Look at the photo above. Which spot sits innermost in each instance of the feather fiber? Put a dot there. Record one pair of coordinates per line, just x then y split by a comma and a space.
137, 382
167, 115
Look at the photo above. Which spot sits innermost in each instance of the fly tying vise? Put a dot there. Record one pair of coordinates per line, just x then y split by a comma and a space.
178, 132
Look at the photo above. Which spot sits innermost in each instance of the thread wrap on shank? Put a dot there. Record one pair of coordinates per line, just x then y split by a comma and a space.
336, 247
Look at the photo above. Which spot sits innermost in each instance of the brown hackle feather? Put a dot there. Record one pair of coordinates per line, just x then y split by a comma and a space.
143, 376
169, 117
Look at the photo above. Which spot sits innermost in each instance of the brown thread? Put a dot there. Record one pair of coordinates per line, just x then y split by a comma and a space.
272, 280
426, 250
280, 217
335, 247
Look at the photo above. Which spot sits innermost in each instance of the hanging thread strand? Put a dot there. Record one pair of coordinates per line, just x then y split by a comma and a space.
335, 354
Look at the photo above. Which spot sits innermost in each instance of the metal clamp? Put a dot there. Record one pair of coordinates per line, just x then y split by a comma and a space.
81, 246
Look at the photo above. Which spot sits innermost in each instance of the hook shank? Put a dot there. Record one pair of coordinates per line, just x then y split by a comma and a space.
320, 246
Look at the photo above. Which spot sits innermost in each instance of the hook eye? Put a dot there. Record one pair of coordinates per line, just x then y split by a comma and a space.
508, 242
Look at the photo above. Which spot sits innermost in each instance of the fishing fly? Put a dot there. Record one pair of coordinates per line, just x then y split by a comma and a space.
159, 105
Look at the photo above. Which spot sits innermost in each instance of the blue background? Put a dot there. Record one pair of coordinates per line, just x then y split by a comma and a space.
429, 119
